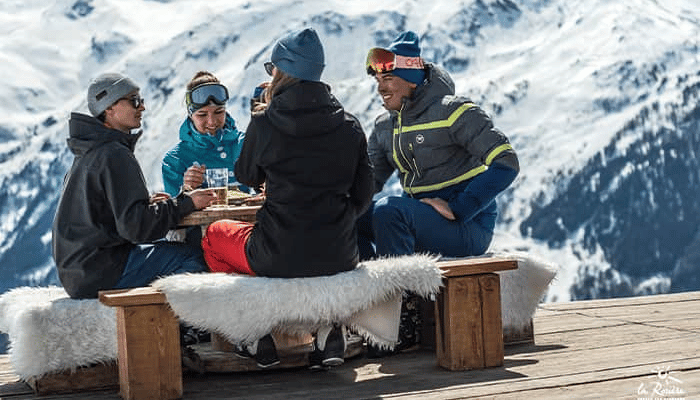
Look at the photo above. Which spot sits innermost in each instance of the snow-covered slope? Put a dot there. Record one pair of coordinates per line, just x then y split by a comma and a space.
599, 98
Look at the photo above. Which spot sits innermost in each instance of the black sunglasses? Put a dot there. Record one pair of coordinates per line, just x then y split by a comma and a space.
269, 67
136, 101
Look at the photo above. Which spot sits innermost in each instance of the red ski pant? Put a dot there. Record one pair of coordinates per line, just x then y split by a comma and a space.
224, 246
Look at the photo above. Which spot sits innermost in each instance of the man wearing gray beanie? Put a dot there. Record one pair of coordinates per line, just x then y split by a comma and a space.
106, 224
452, 163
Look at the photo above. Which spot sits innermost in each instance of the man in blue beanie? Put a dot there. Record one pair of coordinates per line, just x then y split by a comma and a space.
451, 161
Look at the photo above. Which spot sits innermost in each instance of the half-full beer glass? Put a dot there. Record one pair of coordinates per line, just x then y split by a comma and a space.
217, 179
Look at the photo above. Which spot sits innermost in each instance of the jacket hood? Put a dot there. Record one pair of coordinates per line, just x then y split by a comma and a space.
86, 133
228, 133
437, 85
305, 109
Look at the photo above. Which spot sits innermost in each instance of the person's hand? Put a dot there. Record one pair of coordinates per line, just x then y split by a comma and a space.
259, 92
257, 100
194, 176
440, 206
158, 196
202, 198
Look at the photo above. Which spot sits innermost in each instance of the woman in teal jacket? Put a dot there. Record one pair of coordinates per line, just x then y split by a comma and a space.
208, 137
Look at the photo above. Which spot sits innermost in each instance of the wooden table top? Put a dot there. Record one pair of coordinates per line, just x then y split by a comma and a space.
211, 214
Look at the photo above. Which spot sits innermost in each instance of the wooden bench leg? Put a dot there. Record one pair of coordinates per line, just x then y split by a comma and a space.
150, 364
490, 289
469, 329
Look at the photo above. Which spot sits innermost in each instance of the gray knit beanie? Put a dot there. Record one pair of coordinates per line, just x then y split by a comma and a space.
106, 89
300, 54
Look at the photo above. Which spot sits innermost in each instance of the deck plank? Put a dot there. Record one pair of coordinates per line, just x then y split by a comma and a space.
572, 322
628, 388
623, 302
582, 350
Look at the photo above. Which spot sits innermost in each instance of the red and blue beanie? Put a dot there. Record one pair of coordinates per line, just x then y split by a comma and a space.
406, 44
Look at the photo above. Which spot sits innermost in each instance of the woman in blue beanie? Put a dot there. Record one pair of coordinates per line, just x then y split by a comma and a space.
312, 157
451, 161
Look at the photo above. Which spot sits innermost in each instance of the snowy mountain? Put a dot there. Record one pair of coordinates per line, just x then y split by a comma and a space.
599, 98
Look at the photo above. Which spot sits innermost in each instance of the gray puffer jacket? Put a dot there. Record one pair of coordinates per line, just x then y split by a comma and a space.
436, 140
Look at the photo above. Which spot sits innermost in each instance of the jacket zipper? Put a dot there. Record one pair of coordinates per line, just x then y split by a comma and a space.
412, 166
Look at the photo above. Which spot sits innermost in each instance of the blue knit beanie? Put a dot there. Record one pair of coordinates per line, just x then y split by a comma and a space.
406, 44
300, 54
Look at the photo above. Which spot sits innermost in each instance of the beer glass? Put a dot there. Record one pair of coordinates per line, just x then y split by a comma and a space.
217, 179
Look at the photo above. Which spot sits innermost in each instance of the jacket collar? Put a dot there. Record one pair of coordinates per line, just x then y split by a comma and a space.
436, 85
305, 109
86, 133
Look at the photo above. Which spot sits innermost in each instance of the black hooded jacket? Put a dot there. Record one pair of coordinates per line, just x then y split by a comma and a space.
312, 157
104, 209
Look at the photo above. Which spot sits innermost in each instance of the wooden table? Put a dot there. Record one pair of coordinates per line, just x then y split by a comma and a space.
210, 214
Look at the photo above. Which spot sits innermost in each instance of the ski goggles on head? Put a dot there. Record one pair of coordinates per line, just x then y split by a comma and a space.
204, 94
381, 61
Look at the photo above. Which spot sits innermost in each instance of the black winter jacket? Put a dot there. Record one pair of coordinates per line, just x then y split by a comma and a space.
312, 157
104, 209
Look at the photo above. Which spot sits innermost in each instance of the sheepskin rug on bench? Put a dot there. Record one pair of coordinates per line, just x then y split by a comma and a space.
49, 332
244, 308
522, 289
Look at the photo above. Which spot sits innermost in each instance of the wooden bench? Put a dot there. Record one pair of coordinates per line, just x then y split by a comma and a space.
469, 330
149, 352
468, 323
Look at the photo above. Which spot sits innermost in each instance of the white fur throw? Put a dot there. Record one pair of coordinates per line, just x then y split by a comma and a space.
49, 331
244, 308
522, 289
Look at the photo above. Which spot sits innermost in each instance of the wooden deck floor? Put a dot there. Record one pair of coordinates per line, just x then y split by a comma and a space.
633, 348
